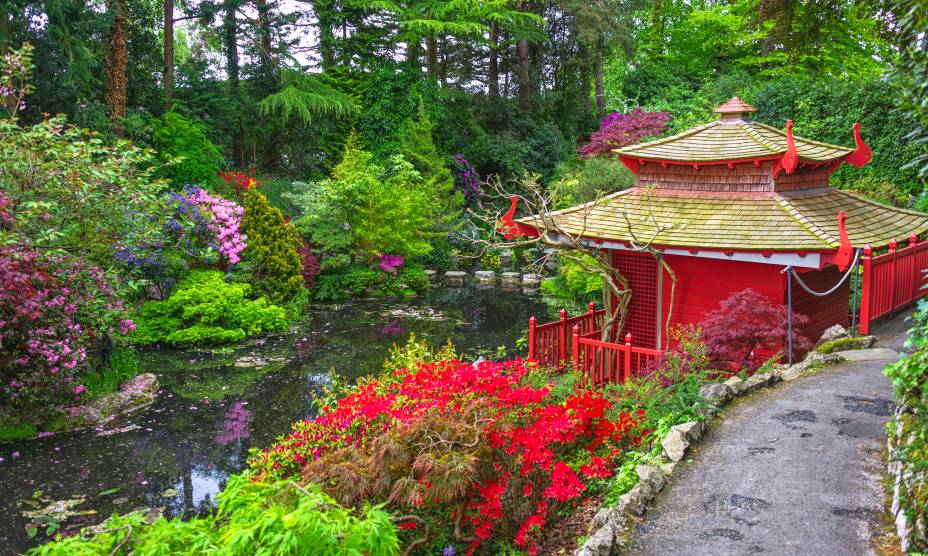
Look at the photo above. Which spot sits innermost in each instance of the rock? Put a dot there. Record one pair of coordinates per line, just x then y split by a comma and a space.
734, 385
875, 354
715, 393
675, 444
531, 280
769, 378
833, 333
431, 274
511, 277
614, 517
601, 543
485, 276
636, 500
790, 373
455, 277
692, 430
651, 475
505, 258
131, 396
752, 383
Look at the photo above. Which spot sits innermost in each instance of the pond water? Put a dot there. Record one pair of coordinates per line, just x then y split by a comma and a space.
216, 405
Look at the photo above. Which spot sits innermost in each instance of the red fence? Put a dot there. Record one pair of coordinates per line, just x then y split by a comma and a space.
549, 344
605, 362
575, 340
892, 280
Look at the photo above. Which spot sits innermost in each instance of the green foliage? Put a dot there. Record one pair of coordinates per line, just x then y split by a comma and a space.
582, 181
842, 344
190, 157
123, 366
368, 209
415, 351
253, 518
912, 73
418, 148
272, 253
304, 96
361, 281
573, 282
205, 309
14, 431
72, 191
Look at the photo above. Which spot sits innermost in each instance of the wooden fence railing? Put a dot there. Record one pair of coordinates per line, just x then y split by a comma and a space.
574, 341
892, 280
549, 344
605, 362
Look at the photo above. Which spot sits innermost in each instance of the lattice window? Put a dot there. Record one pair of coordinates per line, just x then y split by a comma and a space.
640, 269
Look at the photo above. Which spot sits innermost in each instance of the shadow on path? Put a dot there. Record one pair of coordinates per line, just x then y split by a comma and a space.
795, 469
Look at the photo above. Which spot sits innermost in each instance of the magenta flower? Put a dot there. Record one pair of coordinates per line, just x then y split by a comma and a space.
79, 389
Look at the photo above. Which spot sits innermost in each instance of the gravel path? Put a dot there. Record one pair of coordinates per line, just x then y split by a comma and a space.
794, 469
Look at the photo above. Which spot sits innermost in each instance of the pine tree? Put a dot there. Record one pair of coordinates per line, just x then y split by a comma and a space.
418, 148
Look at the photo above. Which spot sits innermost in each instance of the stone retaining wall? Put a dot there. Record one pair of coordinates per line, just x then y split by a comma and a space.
909, 484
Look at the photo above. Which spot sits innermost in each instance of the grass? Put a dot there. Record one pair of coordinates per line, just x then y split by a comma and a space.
123, 367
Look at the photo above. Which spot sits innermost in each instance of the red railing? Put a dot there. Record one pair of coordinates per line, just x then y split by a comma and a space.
549, 344
605, 362
575, 341
892, 280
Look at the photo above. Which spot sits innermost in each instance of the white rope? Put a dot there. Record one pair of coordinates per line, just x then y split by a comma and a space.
836, 286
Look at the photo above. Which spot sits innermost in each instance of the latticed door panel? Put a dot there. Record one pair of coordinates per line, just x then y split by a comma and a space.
640, 269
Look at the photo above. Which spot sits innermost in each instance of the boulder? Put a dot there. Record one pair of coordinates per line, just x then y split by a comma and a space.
455, 277
531, 280
715, 393
752, 383
692, 430
636, 500
431, 274
832, 333
601, 543
734, 385
512, 277
651, 475
613, 517
505, 258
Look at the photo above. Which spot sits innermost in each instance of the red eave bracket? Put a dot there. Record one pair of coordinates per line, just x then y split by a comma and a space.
512, 229
630, 163
845, 253
791, 156
862, 153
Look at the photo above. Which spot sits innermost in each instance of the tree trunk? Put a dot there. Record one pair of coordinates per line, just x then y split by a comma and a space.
9, 100
230, 43
522, 71
600, 86
168, 53
443, 66
326, 35
116, 65
431, 56
264, 38
493, 65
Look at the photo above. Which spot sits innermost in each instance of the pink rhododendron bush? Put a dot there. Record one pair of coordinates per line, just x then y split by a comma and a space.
467, 456
54, 311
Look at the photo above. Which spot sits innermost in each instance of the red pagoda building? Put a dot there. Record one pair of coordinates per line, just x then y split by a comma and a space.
736, 204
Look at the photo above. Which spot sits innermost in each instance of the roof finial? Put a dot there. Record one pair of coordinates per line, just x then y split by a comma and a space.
735, 109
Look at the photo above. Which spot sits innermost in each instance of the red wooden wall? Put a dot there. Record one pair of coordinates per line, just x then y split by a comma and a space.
823, 312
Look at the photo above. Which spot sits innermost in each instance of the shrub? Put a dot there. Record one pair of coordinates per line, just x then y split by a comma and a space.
582, 181
357, 281
273, 249
189, 155
55, 311
310, 265
618, 130
252, 518
574, 283
487, 450
749, 321
205, 309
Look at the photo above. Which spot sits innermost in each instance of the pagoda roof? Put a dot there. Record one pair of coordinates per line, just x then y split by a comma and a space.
728, 140
764, 221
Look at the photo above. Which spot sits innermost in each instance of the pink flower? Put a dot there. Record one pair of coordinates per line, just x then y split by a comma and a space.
79, 389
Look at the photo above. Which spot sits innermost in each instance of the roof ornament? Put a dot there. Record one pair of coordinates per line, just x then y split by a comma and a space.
735, 109
846, 251
862, 154
511, 229
791, 156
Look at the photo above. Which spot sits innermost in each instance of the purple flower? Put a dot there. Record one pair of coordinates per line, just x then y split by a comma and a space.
391, 263
79, 389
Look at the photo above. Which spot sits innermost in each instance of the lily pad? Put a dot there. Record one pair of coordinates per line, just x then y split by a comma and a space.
170, 493
120, 501
109, 491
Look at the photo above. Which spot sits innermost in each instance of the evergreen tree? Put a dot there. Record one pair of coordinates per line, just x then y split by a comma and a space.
418, 148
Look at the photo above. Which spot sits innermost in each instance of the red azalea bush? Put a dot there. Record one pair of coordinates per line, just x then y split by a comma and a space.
242, 181
749, 321
490, 450
54, 311
618, 130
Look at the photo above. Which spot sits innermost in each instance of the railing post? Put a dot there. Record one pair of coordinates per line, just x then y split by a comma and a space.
627, 364
562, 339
913, 243
532, 356
892, 279
865, 292
575, 340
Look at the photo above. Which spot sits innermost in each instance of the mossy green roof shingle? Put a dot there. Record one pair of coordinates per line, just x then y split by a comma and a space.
731, 139
765, 221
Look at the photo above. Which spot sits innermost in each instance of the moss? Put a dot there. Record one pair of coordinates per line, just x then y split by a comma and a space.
844, 344
12, 432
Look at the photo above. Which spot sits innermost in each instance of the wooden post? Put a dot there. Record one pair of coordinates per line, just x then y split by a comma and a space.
865, 292
592, 312
575, 340
532, 356
627, 365
913, 245
892, 279
562, 339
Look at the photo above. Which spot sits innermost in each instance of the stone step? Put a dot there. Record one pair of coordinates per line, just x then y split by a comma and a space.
874, 354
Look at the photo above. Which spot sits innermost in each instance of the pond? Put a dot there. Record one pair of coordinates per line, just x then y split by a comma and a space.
216, 405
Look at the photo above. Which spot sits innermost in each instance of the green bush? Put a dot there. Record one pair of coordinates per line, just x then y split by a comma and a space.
253, 518
273, 247
584, 180
205, 309
357, 281
190, 156
573, 283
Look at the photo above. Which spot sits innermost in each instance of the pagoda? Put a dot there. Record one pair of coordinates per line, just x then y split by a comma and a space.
730, 205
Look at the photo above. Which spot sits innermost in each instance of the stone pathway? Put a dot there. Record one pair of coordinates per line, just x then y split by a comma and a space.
795, 469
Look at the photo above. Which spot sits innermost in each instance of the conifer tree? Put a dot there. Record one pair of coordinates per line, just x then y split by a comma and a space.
418, 148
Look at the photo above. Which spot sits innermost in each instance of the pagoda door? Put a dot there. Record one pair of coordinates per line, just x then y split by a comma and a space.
641, 271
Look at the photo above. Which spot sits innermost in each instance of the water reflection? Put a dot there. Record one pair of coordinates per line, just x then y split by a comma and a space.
215, 405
